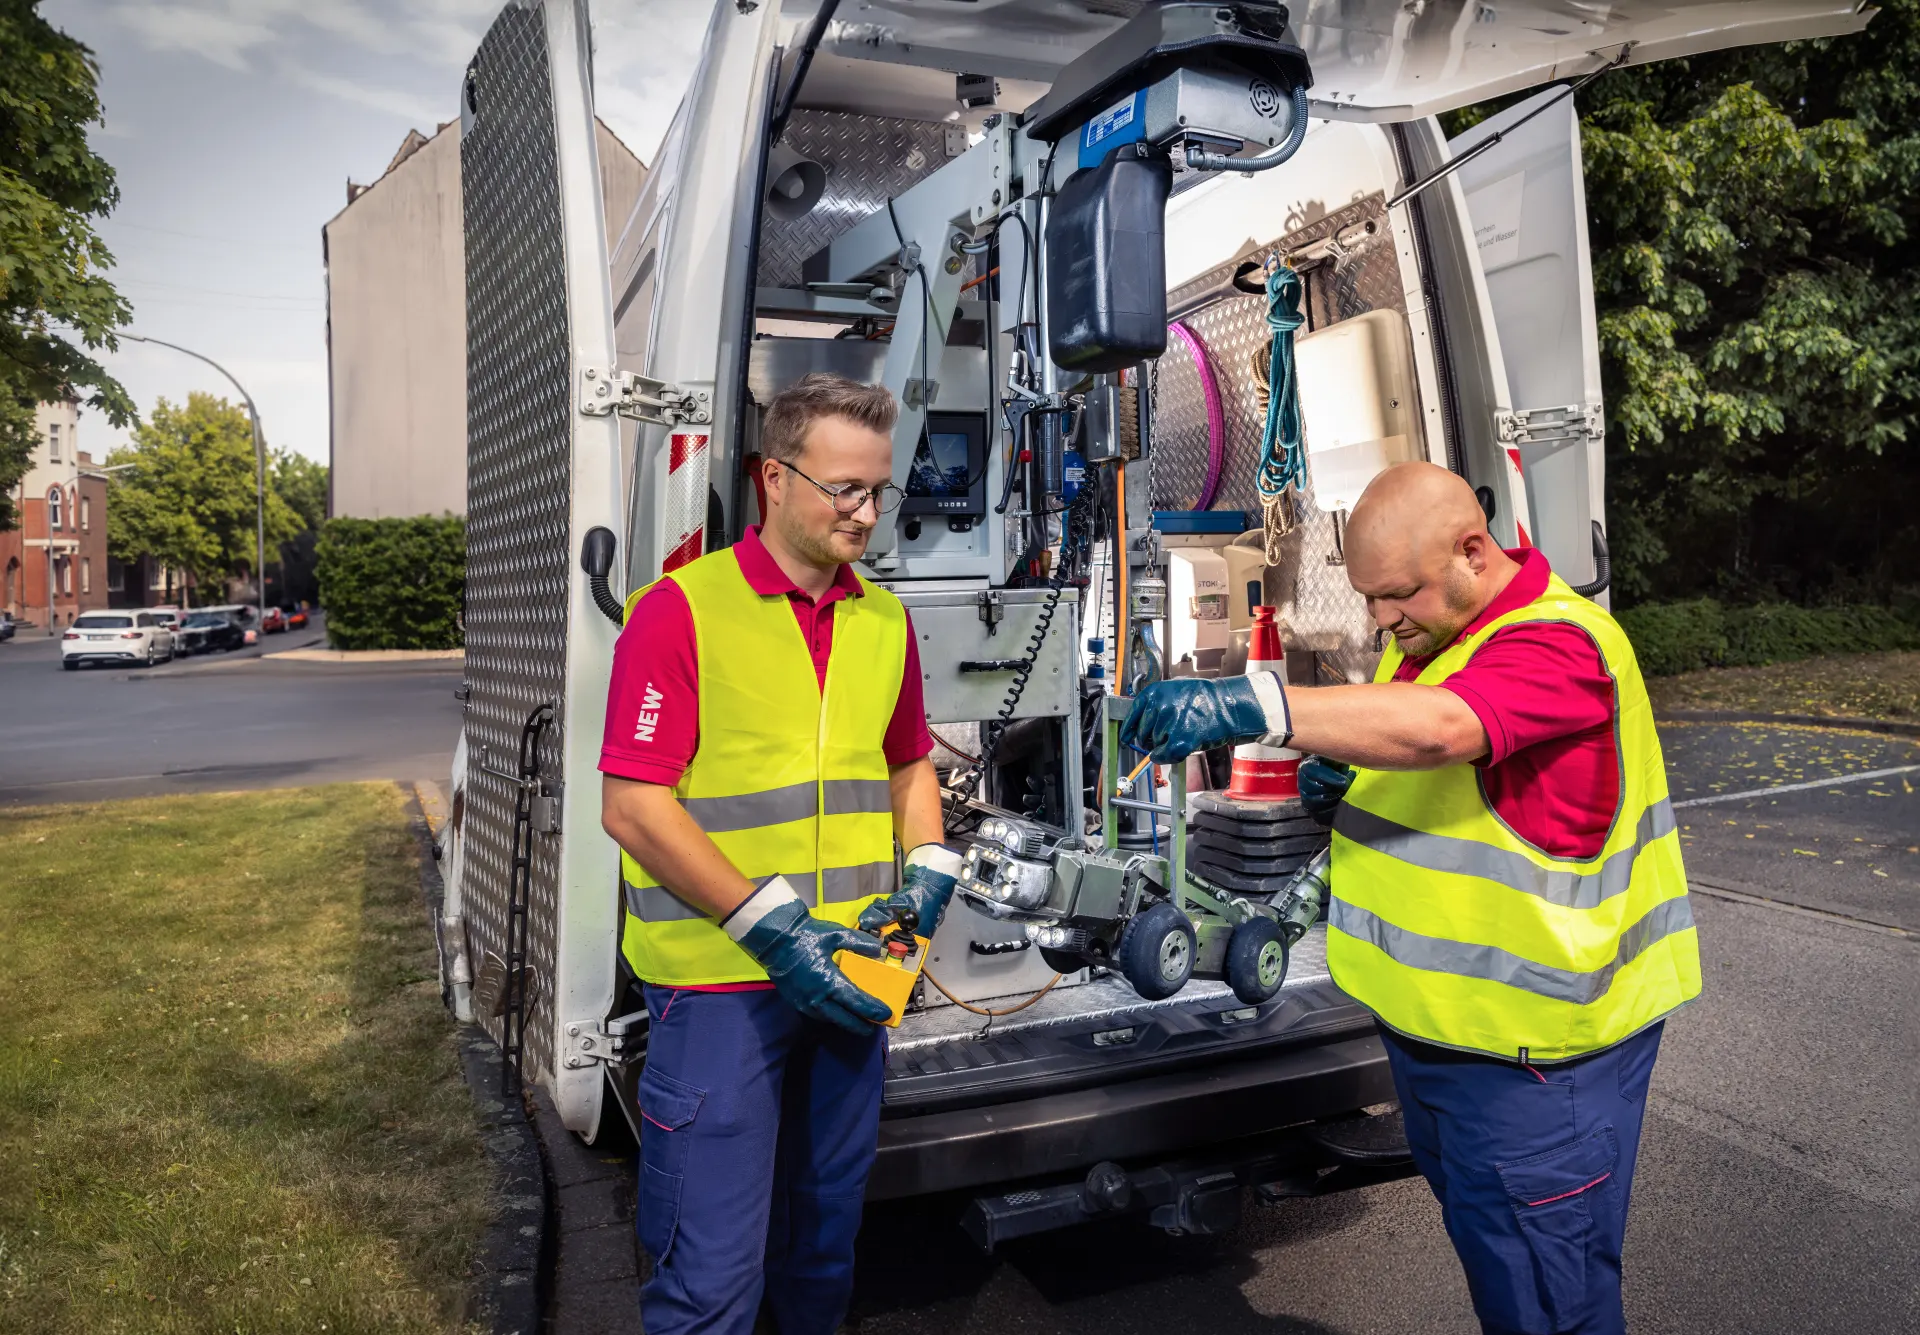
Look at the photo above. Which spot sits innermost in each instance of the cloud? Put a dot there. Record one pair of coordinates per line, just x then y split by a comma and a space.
224, 34
645, 53
394, 101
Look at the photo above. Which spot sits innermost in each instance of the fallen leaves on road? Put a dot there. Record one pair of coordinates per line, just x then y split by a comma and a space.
1877, 686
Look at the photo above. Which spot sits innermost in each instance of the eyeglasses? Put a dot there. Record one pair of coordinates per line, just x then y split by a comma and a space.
848, 497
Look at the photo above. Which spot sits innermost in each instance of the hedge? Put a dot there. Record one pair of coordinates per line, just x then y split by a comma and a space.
393, 583
1688, 636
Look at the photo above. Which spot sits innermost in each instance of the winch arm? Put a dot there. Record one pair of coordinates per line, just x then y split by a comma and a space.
912, 248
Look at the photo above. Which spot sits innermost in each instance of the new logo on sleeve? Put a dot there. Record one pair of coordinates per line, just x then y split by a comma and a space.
649, 715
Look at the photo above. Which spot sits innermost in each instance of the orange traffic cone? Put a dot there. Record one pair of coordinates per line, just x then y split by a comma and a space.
1265, 773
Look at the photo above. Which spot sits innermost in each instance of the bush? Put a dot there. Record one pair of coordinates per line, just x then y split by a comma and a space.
393, 583
1684, 637
1676, 637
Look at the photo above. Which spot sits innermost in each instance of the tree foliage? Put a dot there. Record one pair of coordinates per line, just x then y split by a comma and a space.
53, 284
189, 498
1752, 215
302, 483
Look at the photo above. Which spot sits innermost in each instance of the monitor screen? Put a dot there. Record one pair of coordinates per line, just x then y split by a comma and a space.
947, 476
941, 466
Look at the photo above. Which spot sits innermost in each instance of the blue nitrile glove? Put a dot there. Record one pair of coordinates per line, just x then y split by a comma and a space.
1173, 719
1323, 784
796, 949
932, 872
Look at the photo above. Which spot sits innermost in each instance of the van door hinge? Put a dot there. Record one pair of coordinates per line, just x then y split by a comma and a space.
544, 811
1539, 426
605, 391
617, 1042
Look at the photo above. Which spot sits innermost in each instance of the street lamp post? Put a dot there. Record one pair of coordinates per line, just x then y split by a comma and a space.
259, 465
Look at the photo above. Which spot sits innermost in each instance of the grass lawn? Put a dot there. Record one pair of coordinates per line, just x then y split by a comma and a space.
229, 1097
1878, 686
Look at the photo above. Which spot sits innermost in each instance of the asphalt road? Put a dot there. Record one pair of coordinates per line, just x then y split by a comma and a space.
1777, 1182
213, 723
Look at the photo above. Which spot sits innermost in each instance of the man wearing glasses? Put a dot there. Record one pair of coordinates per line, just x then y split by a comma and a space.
766, 746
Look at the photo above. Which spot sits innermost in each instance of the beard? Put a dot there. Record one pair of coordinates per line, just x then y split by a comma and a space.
834, 547
1456, 587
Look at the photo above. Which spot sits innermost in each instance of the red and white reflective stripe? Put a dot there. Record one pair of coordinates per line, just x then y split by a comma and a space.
1520, 474
686, 509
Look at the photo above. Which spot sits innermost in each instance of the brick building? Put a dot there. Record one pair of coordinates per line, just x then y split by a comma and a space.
61, 509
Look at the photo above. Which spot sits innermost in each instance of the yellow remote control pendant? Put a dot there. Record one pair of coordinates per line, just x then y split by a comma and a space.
892, 976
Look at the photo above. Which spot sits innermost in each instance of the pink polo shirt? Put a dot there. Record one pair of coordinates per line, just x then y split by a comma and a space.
656, 653
1545, 697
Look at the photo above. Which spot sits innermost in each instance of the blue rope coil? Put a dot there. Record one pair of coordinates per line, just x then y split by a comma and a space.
1283, 451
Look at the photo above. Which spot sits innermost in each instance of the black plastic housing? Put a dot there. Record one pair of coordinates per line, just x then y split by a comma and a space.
1250, 36
1107, 263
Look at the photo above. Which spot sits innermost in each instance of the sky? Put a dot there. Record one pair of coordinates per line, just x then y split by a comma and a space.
235, 125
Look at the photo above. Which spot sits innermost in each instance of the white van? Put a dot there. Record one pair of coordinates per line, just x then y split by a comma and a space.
1000, 210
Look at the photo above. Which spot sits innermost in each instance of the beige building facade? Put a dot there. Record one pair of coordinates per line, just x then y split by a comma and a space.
397, 328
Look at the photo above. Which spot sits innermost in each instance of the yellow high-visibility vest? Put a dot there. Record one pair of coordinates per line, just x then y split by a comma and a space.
788, 779
1455, 930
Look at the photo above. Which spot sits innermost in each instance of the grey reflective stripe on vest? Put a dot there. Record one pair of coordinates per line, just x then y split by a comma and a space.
749, 811
1438, 955
858, 797
1469, 857
841, 884
656, 903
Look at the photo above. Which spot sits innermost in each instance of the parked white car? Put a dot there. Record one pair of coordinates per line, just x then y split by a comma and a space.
133, 636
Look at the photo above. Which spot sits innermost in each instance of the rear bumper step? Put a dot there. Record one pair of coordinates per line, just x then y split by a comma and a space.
1150, 1119
1200, 1195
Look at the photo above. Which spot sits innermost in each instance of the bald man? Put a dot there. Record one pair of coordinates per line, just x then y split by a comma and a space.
1507, 891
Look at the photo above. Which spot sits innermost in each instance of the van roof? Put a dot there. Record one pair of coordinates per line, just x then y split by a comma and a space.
1373, 60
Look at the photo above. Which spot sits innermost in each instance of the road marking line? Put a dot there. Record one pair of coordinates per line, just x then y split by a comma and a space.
1698, 887
1796, 787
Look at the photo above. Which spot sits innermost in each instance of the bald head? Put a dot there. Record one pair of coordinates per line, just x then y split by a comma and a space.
1419, 552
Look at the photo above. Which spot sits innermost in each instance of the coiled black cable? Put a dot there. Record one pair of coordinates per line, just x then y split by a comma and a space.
996, 729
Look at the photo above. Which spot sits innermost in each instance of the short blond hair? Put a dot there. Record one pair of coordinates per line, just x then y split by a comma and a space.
794, 410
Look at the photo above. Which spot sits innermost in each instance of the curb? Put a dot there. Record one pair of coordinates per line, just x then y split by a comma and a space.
505, 1275
597, 1263
369, 656
1835, 722
504, 1278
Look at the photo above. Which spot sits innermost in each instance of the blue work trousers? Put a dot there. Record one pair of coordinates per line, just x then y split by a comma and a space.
1533, 1166
758, 1129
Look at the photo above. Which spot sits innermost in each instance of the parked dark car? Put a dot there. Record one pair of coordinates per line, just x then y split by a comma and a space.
217, 630
7, 625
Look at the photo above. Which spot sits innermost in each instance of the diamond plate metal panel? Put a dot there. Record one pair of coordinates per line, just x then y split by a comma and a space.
869, 160
1350, 267
518, 455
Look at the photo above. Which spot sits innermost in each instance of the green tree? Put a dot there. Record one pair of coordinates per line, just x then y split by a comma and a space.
189, 499
302, 483
1752, 215
52, 264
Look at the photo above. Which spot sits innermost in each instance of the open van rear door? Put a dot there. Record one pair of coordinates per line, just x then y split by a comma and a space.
550, 391
1527, 202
